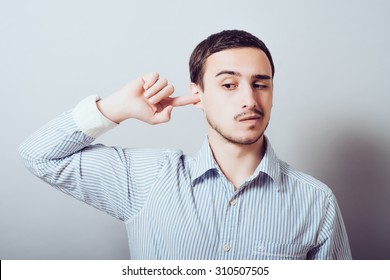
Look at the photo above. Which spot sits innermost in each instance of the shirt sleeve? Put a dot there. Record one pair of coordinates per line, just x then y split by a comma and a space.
111, 179
333, 239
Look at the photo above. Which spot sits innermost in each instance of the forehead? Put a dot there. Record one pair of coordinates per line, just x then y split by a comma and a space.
248, 61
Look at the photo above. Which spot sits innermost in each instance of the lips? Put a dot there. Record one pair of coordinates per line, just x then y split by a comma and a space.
249, 117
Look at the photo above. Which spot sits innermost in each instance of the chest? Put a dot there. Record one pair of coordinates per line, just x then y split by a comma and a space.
212, 221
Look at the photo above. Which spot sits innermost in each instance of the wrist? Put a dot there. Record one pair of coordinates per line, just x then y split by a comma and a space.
109, 109
89, 119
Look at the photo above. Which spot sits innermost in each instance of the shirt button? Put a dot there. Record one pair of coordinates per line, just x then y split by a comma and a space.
226, 247
233, 202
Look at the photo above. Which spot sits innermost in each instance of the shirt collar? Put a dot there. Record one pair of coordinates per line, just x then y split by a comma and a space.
204, 161
269, 165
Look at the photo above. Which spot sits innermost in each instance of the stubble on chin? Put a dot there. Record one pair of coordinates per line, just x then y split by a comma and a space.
233, 139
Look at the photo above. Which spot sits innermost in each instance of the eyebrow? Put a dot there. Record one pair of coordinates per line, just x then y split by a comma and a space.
233, 73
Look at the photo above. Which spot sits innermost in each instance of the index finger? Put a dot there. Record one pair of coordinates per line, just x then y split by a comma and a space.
184, 100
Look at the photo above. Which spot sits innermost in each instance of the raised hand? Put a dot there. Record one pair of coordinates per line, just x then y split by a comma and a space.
147, 98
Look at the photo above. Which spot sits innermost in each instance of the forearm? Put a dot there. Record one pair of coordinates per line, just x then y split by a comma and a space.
111, 179
61, 154
146, 98
63, 137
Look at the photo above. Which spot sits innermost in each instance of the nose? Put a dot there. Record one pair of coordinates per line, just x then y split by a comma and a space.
248, 100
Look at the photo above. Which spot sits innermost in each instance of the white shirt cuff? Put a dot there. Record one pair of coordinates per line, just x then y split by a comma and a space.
89, 119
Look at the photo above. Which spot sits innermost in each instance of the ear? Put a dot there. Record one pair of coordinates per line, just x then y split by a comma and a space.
196, 90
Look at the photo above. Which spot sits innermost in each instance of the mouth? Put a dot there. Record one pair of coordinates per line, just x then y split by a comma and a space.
249, 118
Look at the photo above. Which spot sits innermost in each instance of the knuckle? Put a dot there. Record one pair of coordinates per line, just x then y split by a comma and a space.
163, 81
150, 77
154, 75
171, 88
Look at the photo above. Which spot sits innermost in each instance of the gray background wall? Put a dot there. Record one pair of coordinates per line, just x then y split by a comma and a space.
330, 116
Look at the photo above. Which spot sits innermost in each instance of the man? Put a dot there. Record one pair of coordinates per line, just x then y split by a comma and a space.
233, 200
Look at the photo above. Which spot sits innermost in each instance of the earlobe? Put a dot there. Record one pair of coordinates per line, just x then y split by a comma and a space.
196, 91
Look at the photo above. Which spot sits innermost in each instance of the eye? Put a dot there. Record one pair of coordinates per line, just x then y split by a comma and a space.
229, 86
259, 86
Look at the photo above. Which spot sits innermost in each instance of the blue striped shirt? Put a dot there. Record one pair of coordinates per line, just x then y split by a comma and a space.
179, 207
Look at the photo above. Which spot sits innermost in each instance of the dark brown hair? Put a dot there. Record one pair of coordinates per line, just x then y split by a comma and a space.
227, 39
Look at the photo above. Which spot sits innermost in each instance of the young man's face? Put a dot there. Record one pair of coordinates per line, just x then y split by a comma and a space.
237, 94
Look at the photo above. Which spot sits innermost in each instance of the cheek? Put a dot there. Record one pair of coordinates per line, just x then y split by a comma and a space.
209, 101
266, 101
216, 109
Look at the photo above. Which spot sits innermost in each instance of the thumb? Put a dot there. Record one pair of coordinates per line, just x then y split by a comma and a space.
164, 115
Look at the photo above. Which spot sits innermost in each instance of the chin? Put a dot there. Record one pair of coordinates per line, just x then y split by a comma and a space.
245, 140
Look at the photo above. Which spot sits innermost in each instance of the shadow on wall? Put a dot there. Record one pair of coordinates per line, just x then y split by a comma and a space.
358, 171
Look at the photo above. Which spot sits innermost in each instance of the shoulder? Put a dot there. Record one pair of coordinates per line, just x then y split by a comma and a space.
293, 178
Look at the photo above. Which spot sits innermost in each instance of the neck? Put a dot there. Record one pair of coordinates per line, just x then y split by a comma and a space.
237, 161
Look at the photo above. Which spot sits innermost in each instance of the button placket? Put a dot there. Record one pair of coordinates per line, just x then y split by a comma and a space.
233, 202
226, 247
229, 228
